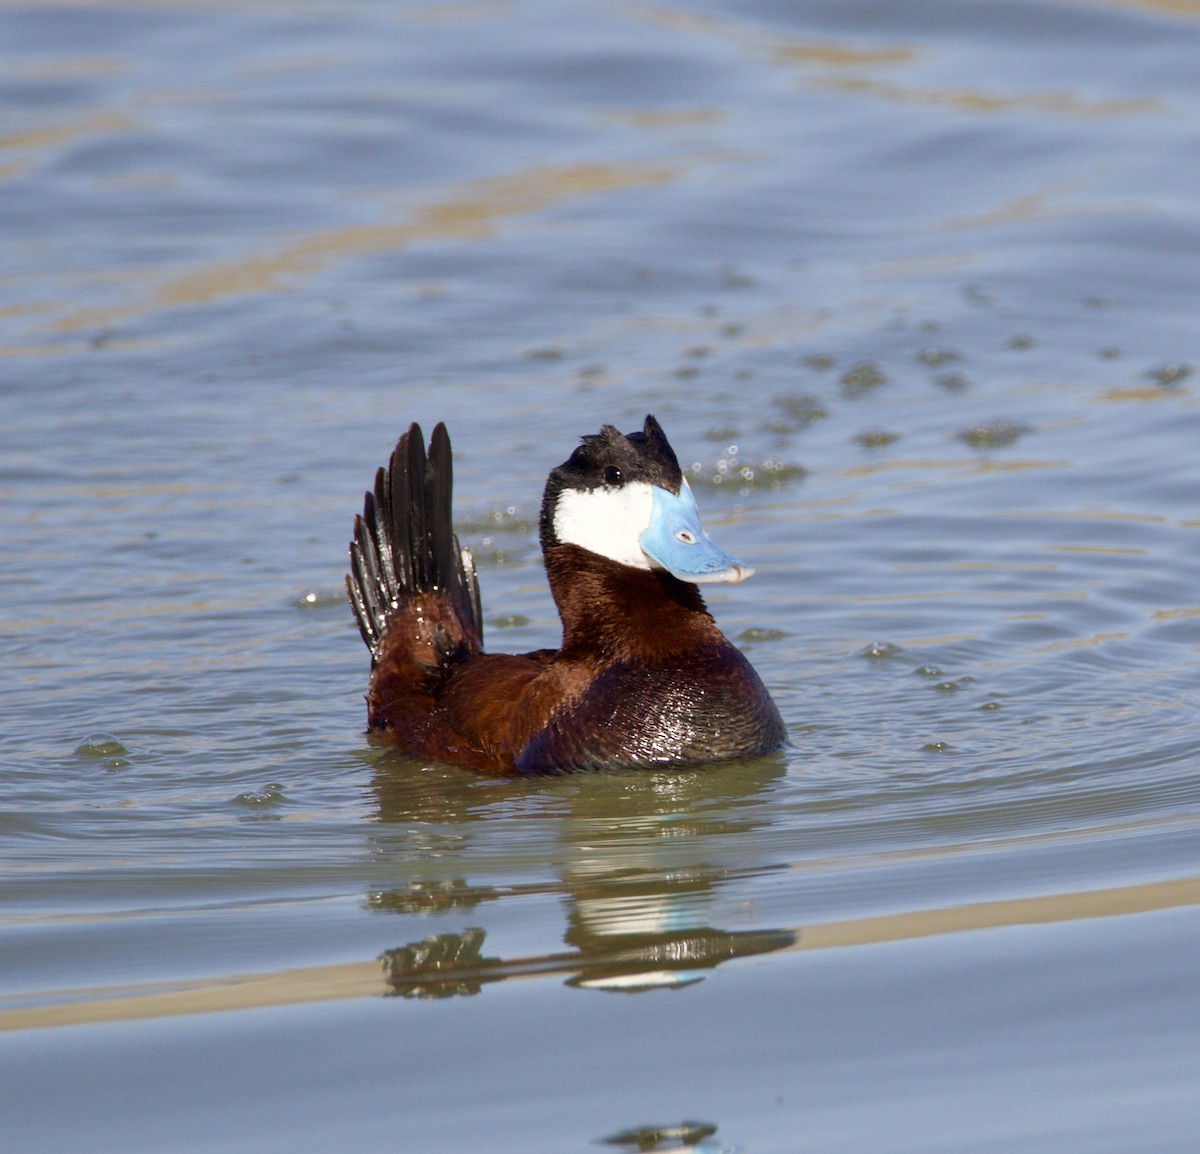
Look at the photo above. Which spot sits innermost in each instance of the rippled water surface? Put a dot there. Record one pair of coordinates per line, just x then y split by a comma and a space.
913, 289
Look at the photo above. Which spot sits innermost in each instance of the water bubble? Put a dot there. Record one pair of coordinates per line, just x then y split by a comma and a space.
509, 621
876, 438
731, 469
758, 633
862, 378
785, 473
934, 356
103, 747
798, 411
270, 793
1171, 374
880, 651
314, 599
994, 434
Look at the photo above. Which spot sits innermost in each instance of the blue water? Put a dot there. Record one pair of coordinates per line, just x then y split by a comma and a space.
911, 288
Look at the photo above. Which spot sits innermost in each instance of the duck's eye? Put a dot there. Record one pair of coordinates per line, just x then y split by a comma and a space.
686, 537
612, 475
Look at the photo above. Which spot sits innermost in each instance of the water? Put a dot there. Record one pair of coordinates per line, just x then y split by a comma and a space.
912, 287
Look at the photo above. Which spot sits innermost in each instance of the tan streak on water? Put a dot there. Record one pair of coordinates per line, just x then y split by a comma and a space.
786, 50
470, 211
836, 60
1186, 9
989, 104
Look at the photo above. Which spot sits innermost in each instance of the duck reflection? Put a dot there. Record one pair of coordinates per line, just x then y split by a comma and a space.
683, 1137
639, 860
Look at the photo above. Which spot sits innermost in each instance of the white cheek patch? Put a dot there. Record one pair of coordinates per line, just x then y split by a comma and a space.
606, 521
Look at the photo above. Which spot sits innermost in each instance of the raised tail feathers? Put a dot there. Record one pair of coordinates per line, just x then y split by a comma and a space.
404, 542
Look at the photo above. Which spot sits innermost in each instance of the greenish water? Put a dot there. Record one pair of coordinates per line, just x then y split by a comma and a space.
911, 288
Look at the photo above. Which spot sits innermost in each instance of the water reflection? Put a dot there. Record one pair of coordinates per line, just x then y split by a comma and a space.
451, 964
634, 864
697, 1136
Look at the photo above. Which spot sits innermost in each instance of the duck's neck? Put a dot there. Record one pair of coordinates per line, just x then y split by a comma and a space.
611, 611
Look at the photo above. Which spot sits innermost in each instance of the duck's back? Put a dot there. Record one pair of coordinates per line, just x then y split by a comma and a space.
707, 704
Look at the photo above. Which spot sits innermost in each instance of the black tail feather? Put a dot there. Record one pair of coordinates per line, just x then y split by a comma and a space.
404, 541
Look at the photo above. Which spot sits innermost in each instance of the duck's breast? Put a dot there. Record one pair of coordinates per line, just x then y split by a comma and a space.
702, 705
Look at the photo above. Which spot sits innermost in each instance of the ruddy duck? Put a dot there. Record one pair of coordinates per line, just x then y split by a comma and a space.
644, 677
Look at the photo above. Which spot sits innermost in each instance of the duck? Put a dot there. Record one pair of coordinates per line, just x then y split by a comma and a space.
643, 680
